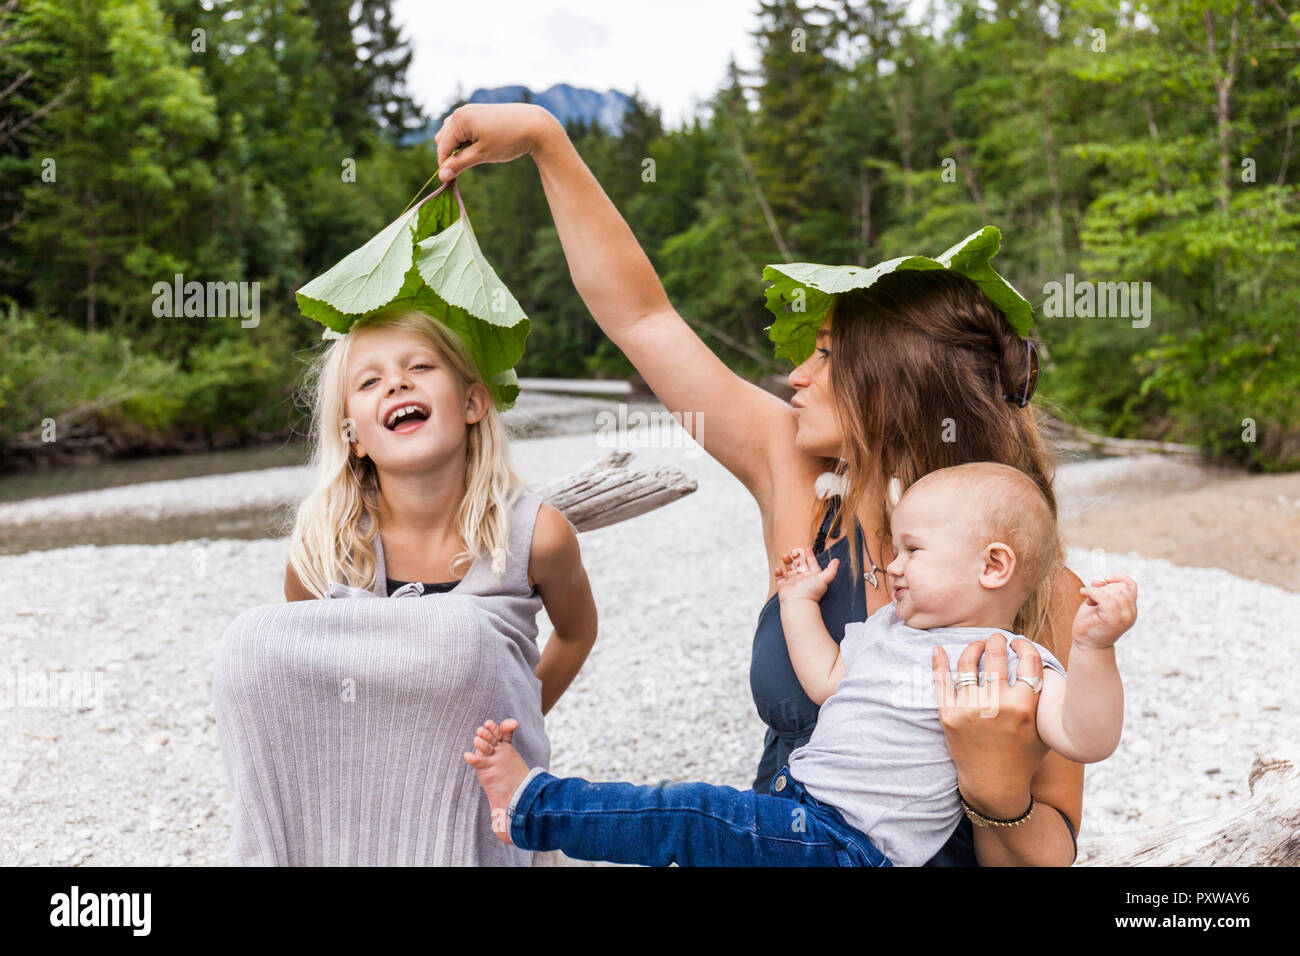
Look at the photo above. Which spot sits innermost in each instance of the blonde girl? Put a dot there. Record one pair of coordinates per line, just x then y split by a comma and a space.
414, 494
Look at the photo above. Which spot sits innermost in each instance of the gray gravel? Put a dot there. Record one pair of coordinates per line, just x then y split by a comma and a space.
138, 780
1084, 486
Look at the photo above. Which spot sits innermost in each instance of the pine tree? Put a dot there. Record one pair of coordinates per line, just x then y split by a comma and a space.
125, 207
361, 48
795, 79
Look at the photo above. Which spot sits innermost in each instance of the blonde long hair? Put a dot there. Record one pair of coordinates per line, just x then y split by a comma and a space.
333, 532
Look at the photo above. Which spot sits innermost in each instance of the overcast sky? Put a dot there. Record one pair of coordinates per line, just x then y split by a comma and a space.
674, 52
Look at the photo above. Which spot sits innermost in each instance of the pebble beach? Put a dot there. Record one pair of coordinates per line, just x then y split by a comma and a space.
125, 768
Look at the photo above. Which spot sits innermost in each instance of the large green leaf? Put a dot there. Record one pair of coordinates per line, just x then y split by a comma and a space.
495, 350
802, 292
452, 263
428, 259
365, 279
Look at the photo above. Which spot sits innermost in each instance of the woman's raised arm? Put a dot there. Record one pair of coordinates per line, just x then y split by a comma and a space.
739, 424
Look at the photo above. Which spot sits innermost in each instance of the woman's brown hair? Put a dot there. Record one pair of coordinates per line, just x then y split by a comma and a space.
921, 364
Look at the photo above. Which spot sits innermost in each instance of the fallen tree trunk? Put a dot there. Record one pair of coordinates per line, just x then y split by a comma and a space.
1073, 438
606, 492
1264, 832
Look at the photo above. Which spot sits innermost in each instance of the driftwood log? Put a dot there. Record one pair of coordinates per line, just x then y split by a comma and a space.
1264, 832
606, 492
1073, 438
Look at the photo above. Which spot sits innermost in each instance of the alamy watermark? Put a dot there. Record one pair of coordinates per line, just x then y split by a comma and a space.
652, 429
128, 910
208, 300
72, 690
1086, 299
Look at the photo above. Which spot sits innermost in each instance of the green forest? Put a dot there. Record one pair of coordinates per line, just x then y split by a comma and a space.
1147, 144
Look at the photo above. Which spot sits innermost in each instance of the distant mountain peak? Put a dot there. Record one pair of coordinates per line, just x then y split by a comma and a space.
565, 102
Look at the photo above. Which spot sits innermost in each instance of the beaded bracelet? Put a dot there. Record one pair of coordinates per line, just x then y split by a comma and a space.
980, 820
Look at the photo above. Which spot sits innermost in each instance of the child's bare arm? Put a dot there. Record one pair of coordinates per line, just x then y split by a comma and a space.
294, 589
1081, 718
800, 584
555, 568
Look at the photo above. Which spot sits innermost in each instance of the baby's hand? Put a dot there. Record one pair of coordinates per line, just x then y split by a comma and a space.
1109, 611
799, 576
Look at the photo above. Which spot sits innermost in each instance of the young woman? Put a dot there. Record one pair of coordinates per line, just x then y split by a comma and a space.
898, 367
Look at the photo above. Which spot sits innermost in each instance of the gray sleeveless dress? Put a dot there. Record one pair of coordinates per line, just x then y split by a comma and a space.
342, 721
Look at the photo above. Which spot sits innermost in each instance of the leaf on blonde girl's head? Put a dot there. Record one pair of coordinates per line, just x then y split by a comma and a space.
366, 279
452, 263
429, 259
802, 293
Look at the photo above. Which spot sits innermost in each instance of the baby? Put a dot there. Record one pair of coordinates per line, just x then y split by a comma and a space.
875, 785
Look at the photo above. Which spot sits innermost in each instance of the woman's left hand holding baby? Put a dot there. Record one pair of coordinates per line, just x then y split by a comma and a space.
996, 748
990, 728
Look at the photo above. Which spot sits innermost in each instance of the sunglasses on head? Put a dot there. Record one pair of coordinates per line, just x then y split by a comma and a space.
1031, 383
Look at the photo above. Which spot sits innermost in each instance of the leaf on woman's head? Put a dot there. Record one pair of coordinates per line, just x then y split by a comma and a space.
800, 310
970, 257
802, 293
428, 259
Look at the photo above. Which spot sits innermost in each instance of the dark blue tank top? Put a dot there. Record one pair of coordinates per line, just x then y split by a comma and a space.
788, 712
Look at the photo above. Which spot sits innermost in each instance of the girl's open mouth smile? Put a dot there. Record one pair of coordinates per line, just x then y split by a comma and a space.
406, 417
407, 426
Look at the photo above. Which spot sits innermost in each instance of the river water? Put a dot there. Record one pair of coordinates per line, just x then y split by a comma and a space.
536, 415
133, 471
109, 529
539, 417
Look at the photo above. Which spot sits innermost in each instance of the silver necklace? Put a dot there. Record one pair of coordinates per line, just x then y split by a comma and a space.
833, 483
870, 576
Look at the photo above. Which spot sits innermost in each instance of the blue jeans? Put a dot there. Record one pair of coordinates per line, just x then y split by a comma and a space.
690, 824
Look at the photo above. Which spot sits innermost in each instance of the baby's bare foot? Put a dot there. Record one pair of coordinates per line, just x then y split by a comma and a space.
500, 770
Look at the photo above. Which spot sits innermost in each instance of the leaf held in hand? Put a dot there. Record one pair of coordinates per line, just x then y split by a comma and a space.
428, 259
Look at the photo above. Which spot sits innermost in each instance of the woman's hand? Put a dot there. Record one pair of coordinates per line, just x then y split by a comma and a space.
489, 133
991, 729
